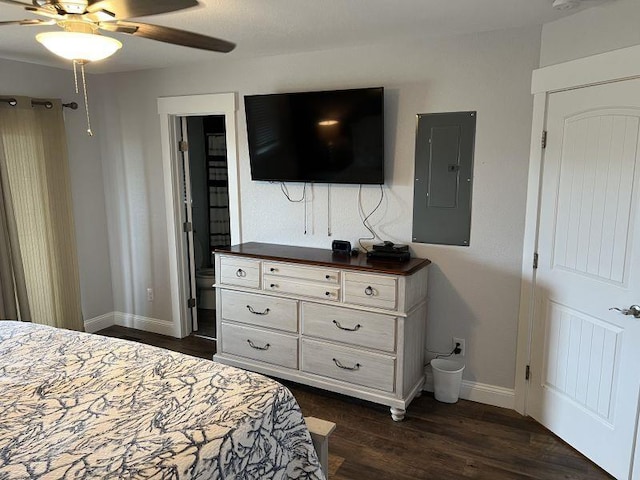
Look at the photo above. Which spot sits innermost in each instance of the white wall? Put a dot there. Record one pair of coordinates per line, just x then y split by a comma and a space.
17, 78
602, 28
474, 291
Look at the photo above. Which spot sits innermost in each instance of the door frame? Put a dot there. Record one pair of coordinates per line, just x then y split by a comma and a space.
170, 109
615, 66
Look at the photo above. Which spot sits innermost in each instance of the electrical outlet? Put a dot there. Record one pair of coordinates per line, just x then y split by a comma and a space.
150, 294
462, 345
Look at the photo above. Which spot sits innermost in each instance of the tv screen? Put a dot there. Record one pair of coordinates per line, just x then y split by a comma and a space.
328, 137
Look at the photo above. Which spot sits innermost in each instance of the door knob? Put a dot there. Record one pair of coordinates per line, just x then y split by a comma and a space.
632, 310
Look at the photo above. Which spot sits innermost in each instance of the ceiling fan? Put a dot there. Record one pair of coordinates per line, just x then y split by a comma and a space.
81, 20
89, 16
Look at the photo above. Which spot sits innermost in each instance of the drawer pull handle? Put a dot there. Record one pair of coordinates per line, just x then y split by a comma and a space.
253, 345
344, 367
328, 294
328, 277
274, 285
241, 273
354, 329
368, 291
272, 269
266, 311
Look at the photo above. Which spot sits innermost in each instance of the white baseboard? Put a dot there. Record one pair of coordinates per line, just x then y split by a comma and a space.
130, 320
96, 324
479, 392
147, 324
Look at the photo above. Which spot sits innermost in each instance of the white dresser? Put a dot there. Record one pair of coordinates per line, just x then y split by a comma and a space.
335, 322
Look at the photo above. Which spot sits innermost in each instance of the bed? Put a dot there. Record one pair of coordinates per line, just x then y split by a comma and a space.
75, 405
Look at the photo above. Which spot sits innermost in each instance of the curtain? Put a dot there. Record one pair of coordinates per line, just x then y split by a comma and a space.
14, 304
219, 220
35, 179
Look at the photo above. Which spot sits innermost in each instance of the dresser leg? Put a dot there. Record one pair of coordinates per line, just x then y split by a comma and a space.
397, 414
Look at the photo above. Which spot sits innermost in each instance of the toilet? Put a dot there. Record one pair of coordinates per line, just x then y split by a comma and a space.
205, 278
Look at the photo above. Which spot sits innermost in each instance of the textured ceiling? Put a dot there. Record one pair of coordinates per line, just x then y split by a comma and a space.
273, 27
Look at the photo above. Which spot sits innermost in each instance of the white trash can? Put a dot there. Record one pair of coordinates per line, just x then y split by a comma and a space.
447, 378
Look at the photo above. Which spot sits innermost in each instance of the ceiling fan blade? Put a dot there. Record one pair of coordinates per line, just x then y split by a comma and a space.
29, 22
169, 35
34, 9
45, 13
123, 9
14, 2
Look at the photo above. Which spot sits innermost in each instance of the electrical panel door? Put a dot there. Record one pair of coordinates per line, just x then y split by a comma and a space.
443, 178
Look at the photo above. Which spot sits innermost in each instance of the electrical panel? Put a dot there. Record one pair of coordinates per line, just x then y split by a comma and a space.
445, 144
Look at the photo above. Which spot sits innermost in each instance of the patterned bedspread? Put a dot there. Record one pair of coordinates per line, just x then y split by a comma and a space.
74, 405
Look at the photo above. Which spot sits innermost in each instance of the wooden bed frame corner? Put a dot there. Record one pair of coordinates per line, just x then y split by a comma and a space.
320, 431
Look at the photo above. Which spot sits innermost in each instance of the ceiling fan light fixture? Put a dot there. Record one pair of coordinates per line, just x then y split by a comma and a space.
81, 47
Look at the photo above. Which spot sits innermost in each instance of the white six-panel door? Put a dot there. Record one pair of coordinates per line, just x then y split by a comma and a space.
585, 357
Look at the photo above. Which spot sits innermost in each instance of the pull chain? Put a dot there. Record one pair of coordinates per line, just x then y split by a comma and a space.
86, 100
75, 74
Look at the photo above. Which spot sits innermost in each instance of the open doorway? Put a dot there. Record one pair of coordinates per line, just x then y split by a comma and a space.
206, 203
173, 111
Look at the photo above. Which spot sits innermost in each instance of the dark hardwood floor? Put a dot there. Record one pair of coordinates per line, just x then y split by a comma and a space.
193, 345
436, 441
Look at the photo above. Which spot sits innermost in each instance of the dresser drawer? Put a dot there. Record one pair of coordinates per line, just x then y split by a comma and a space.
354, 327
348, 364
273, 283
240, 271
370, 290
260, 310
316, 274
262, 345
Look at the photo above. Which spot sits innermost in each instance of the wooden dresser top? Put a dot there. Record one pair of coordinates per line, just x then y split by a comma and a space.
323, 257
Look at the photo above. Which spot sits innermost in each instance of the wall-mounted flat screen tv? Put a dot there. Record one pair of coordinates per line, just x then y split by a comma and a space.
326, 137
